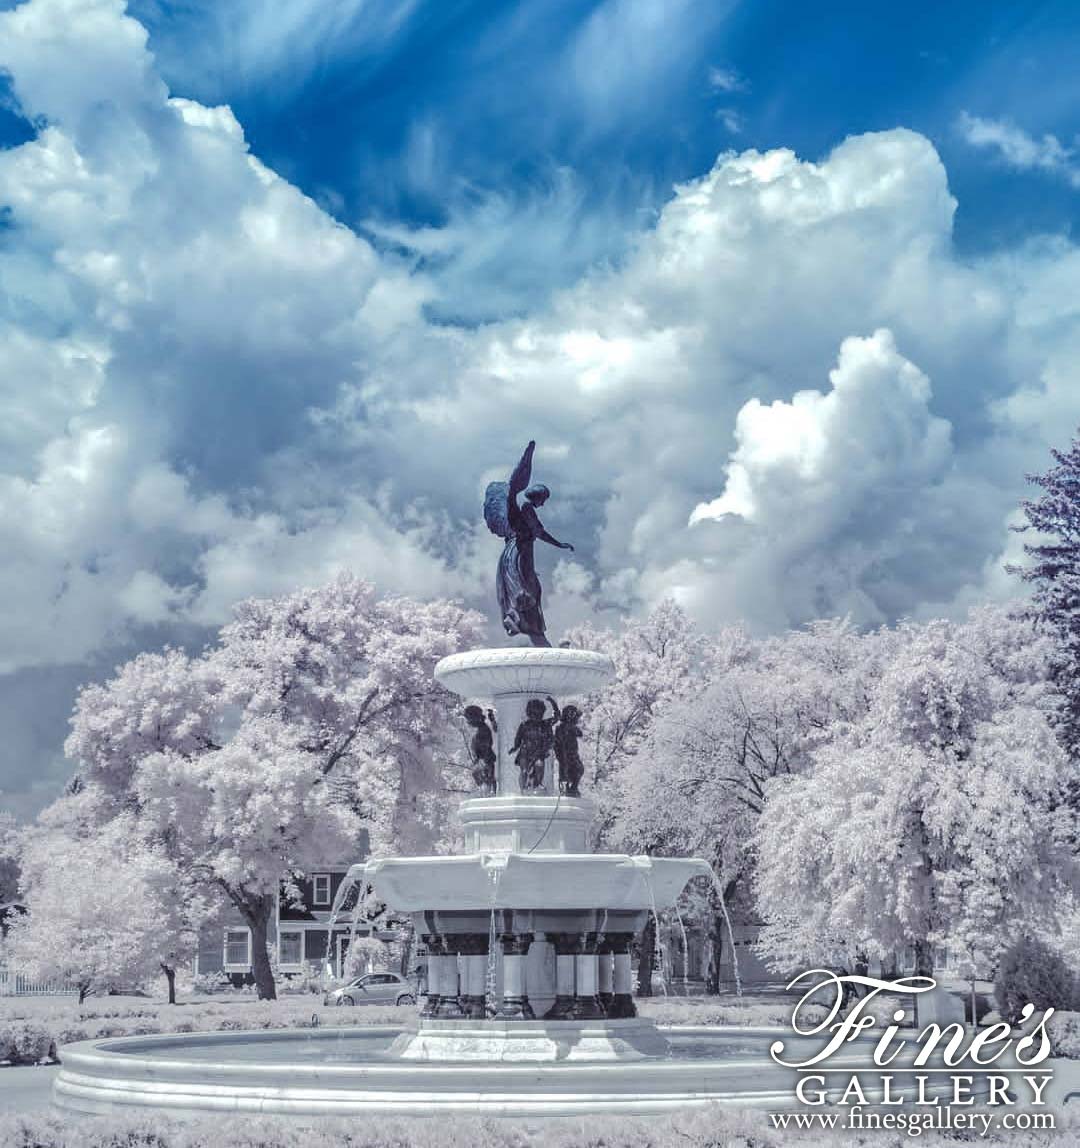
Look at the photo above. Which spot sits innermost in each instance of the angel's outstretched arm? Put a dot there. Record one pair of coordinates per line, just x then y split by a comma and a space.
545, 537
555, 707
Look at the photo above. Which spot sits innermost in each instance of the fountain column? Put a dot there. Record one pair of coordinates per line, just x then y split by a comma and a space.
605, 967
586, 980
515, 1002
448, 1006
622, 1001
566, 946
474, 950
434, 971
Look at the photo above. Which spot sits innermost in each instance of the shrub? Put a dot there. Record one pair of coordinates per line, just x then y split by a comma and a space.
1030, 972
1064, 1032
25, 1042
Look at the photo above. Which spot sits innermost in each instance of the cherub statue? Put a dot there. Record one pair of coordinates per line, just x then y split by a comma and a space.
482, 747
532, 745
516, 584
567, 733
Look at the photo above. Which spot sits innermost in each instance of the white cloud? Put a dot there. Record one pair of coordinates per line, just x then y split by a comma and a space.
212, 389
727, 80
1018, 149
869, 441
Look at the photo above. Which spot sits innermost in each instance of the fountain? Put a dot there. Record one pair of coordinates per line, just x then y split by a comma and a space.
528, 933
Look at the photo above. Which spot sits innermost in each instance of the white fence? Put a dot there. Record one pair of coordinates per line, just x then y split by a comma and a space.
14, 984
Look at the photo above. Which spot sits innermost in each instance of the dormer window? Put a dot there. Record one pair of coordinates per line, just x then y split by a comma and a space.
320, 889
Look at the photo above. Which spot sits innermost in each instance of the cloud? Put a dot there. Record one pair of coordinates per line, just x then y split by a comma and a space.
1017, 149
213, 389
869, 441
727, 80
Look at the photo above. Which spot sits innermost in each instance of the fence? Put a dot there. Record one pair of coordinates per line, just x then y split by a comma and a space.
13, 984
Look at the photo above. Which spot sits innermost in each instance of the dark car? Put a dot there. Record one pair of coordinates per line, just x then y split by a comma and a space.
373, 988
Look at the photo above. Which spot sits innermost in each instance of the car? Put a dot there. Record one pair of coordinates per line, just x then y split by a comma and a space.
373, 988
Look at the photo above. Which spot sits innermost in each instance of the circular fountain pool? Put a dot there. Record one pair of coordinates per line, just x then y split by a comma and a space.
325, 1072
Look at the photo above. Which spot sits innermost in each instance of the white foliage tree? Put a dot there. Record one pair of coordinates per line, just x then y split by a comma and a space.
268, 754
934, 818
105, 909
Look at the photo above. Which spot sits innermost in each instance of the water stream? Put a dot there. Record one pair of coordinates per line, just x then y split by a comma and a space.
658, 951
491, 1004
719, 887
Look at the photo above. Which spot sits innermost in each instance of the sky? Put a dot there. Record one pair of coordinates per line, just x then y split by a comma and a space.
786, 293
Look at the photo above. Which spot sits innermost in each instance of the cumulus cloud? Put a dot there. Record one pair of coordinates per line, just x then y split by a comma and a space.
212, 389
811, 464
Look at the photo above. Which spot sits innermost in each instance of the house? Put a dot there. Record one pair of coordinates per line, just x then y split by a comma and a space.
299, 935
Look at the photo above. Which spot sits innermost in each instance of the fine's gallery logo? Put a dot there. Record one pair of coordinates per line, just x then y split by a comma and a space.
894, 1049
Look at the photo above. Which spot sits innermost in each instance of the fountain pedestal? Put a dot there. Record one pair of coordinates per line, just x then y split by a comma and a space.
557, 921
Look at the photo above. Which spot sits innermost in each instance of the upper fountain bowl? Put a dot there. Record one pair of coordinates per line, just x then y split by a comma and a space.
524, 670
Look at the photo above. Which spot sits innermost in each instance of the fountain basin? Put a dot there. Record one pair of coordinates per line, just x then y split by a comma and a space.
572, 881
336, 1072
492, 673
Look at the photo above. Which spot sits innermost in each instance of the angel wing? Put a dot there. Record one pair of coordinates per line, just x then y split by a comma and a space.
500, 498
497, 508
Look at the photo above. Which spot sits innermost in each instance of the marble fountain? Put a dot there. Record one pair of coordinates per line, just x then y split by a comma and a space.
530, 1009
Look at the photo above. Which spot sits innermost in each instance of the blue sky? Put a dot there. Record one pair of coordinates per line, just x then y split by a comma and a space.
408, 113
785, 292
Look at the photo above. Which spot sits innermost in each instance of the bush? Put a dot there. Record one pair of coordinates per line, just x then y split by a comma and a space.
705, 1128
25, 1042
1032, 973
1064, 1032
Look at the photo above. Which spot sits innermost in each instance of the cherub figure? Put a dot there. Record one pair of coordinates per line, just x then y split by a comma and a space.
567, 734
482, 747
532, 745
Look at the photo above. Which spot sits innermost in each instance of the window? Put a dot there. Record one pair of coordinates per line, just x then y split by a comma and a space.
320, 889
290, 947
238, 948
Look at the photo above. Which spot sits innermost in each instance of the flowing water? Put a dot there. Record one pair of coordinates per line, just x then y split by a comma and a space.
685, 943
719, 887
491, 1004
658, 950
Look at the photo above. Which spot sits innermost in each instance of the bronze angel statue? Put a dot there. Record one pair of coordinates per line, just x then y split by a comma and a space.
516, 584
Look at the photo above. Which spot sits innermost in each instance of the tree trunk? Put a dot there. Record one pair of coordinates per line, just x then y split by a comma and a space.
257, 913
645, 960
84, 990
170, 976
924, 958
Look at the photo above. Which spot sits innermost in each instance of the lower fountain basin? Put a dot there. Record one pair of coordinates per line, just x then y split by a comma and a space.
484, 881
335, 1072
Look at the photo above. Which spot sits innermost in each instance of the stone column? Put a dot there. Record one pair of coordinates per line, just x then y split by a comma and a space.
511, 713
566, 946
434, 974
474, 950
605, 968
515, 1002
586, 980
622, 1001
449, 1007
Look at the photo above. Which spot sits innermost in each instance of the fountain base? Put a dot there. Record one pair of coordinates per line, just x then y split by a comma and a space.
532, 1040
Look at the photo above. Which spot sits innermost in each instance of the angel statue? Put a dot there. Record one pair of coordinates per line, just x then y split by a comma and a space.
516, 584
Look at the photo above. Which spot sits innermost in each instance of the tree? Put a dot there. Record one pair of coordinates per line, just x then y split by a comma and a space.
106, 910
934, 818
1055, 580
657, 659
699, 782
268, 753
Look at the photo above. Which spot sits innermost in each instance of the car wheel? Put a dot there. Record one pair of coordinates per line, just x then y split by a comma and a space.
345, 1001
405, 999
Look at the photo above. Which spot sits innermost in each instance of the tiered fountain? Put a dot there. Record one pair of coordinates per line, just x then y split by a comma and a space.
528, 924
528, 933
